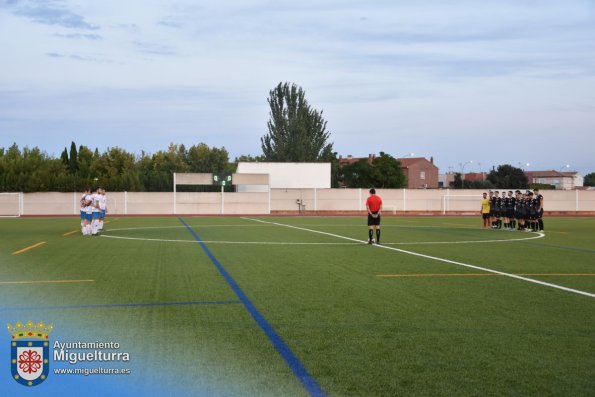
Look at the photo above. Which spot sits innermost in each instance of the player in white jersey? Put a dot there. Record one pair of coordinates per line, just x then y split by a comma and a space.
84, 204
102, 207
96, 212
88, 213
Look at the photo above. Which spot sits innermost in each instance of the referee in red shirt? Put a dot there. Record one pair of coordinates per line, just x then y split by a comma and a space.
374, 206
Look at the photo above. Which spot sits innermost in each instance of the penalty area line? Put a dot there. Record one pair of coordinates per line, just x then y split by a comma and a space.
485, 269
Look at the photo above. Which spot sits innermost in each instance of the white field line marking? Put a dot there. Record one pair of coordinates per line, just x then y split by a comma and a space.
174, 227
303, 225
225, 242
485, 269
311, 243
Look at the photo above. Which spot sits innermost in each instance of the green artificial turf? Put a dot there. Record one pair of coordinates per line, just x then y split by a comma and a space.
356, 333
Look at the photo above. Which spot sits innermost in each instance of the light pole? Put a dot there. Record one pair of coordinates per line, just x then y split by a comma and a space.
522, 166
463, 172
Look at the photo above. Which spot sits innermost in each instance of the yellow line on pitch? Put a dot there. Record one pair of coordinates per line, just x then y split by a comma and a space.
485, 274
29, 247
46, 281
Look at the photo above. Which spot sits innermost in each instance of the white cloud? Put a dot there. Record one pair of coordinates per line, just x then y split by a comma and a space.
430, 77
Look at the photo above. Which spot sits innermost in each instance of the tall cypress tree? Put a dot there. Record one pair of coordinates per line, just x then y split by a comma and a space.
297, 132
64, 157
73, 164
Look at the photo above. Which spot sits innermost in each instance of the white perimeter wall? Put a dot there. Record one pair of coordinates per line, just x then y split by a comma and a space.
287, 175
395, 200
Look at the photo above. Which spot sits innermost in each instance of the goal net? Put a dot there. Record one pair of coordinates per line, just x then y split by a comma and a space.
10, 204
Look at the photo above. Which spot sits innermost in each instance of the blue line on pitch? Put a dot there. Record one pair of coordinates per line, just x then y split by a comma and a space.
290, 358
110, 305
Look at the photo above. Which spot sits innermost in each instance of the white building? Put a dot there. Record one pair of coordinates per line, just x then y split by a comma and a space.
561, 180
287, 175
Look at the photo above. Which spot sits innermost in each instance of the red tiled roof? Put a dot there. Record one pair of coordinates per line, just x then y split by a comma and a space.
549, 174
408, 161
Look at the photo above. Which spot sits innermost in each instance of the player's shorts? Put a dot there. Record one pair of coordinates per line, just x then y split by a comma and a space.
540, 214
485, 215
510, 213
496, 213
96, 214
89, 216
83, 215
102, 214
373, 221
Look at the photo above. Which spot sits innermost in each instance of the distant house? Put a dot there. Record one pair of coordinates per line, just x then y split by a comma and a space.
421, 173
446, 180
475, 176
561, 180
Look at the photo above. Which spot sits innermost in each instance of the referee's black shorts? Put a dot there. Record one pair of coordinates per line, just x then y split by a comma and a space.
373, 221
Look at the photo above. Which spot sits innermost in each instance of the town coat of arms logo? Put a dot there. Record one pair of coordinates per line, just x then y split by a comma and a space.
29, 352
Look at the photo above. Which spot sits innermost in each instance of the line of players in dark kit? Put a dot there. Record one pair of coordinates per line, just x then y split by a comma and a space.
518, 211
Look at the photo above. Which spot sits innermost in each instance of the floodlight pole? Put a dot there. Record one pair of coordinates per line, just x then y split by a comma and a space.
463, 172
222, 200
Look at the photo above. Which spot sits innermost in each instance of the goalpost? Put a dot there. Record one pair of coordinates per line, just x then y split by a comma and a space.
461, 203
11, 204
244, 183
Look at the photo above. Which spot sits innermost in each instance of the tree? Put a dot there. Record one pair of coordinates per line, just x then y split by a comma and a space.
507, 177
202, 158
357, 175
248, 158
387, 172
589, 179
384, 172
64, 157
478, 185
297, 132
73, 160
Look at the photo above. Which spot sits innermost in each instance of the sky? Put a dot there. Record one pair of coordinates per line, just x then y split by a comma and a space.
471, 83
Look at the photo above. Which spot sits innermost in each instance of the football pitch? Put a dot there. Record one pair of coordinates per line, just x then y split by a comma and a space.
298, 306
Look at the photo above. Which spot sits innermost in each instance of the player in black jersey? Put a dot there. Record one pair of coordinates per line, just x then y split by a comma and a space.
492, 216
519, 210
495, 205
539, 199
526, 209
503, 213
532, 204
509, 201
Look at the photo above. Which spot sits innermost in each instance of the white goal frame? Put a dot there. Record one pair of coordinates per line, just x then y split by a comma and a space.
447, 198
18, 204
